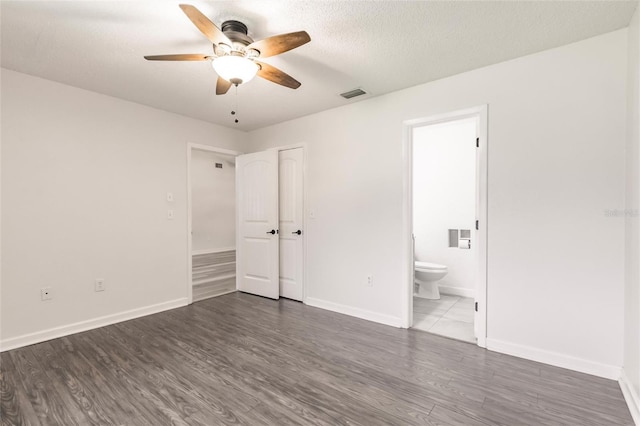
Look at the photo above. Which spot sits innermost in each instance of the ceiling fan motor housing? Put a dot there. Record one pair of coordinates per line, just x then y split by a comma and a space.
237, 32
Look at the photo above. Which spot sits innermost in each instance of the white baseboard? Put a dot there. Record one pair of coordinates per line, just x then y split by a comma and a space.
458, 291
556, 359
211, 251
354, 312
65, 330
631, 396
216, 295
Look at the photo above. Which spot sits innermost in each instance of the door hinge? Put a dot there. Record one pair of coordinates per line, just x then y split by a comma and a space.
476, 306
477, 142
477, 225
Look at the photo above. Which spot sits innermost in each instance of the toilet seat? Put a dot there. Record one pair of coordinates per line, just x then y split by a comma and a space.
427, 266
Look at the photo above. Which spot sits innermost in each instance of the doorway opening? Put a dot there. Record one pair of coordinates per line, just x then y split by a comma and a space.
445, 224
212, 219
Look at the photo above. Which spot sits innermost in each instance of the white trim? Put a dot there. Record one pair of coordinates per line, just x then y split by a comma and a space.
630, 396
458, 291
210, 148
78, 327
226, 292
408, 277
286, 147
483, 220
305, 222
556, 359
211, 251
354, 312
190, 252
217, 295
406, 308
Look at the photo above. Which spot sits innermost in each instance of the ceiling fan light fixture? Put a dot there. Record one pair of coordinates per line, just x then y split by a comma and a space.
235, 54
235, 69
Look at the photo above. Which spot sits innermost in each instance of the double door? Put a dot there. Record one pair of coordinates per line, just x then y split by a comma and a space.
270, 234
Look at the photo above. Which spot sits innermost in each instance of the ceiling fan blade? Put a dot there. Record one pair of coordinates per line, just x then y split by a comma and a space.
222, 86
273, 74
276, 45
205, 26
179, 57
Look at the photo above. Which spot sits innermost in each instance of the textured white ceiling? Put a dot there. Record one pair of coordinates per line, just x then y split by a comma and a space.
381, 46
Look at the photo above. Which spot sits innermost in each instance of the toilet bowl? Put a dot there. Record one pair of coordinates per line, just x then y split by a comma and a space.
427, 276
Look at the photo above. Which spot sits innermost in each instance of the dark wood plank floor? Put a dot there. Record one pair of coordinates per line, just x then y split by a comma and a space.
241, 359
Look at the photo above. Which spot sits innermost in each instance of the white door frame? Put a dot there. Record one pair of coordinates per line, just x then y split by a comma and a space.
190, 148
305, 222
407, 210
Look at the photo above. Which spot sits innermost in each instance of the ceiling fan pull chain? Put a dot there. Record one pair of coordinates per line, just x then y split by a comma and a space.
235, 110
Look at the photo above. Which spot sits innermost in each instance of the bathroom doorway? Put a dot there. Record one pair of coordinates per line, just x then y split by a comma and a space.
446, 223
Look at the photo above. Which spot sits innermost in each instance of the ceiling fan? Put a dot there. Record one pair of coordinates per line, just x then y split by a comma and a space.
235, 57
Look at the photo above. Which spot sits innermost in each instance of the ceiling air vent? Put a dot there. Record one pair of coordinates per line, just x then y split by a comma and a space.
353, 93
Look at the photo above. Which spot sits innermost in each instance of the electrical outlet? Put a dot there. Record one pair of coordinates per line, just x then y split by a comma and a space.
46, 293
170, 214
369, 282
99, 285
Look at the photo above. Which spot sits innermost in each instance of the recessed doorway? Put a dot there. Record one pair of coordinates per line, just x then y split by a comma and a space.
445, 222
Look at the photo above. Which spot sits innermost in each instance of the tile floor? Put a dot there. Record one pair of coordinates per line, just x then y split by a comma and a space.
450, 316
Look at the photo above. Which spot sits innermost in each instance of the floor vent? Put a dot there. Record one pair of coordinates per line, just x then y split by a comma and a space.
353, 93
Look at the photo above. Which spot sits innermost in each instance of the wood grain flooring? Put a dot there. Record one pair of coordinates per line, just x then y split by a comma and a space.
242, 359
213, 274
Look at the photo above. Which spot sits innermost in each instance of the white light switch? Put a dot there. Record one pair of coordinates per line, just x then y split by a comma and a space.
170, 196
170, 214
99, 284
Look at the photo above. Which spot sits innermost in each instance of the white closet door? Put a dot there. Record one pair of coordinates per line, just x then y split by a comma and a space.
257, 209
291, 220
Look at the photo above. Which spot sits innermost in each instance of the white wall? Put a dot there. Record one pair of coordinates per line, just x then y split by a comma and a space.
213, 201
556, 162
444, 197
84, 183
632, 219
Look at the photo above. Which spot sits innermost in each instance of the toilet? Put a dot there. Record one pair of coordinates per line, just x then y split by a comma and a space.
427, 276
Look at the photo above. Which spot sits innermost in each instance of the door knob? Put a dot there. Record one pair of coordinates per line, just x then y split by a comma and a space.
299, 232
272, 232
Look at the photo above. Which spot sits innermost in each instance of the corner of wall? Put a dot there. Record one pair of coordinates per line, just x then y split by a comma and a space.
630, 378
